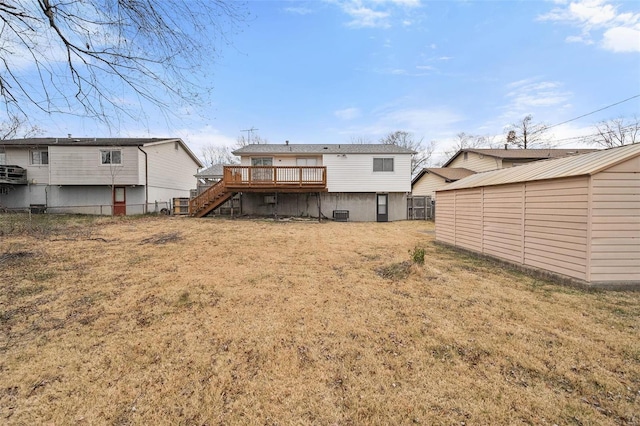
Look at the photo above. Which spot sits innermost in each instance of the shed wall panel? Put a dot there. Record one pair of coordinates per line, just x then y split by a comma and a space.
615, 252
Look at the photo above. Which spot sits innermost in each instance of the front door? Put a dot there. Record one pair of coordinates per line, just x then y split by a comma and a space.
119, 201
382, 209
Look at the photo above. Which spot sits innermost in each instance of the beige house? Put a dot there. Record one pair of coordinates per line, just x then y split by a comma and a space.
482, 160
577, 216
429, 179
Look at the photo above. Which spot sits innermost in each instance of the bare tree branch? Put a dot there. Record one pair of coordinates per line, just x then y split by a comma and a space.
617, 132
99, 57
405, 139
526, 134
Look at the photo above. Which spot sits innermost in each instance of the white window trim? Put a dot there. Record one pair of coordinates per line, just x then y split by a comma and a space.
110, 163
393, 163
39, 163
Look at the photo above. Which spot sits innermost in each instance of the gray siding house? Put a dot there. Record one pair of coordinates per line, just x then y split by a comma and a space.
97, 175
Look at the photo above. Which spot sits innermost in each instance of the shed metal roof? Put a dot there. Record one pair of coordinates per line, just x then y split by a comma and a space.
321, 149
576, 165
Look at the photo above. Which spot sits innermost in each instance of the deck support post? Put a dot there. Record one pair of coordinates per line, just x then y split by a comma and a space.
319, 208
275, 208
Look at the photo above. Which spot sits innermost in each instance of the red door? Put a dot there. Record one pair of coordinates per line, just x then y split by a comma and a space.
119, 201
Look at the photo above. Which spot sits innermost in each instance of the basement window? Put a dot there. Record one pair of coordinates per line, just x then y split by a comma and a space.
383, 164
110, 156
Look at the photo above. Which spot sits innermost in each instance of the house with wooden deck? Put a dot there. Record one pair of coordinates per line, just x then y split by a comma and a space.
95, 175
577, 217
357, 182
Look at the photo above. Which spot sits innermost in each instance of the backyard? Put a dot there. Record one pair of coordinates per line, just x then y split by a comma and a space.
171, 320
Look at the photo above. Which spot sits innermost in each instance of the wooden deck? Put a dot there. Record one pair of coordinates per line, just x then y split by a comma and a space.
13, 175
258, 179
275, 179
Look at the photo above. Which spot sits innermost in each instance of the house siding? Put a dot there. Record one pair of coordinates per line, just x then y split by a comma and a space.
171, 171
81, 165
354, 173
427, 185
615, 223
361, 206
476, 162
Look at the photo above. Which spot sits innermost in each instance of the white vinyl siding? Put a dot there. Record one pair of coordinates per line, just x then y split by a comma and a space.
354, 173
82, 165
171, 171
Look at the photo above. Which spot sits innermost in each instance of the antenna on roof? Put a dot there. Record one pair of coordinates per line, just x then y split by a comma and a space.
249, 132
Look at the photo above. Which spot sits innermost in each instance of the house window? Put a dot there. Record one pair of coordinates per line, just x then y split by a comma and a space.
39, 157
306, 161
3, 159
383, 164
262, 161
111, 156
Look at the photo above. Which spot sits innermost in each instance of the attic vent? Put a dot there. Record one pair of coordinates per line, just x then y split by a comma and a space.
326, 147
176, 145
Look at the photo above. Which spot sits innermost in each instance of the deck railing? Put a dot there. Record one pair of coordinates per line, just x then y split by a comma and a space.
13, 175
271, 177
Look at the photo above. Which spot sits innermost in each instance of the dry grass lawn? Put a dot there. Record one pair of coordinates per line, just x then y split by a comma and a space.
211, 321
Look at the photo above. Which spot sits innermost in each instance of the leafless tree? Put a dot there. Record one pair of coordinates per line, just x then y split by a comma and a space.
467, 141
84, 56
17, 127
212, 154
407, 140
255, 140
617, 132
526, 134
359, 140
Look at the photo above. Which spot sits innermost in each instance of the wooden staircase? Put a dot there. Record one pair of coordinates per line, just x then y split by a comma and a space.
209, 200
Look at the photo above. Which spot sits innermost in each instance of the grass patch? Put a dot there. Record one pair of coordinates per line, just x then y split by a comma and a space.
257, 322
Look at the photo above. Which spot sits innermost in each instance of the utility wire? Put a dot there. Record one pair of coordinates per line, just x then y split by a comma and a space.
589, 113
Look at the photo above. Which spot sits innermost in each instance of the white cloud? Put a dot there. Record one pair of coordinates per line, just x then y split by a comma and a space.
596, 19
374, 13
620, 39
347, 113
527, 95
298, 10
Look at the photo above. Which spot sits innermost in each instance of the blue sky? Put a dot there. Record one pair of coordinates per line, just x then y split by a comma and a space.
331, 71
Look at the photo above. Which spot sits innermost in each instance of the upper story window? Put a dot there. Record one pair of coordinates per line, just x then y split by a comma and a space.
39, 157
262, 161
383, 164
3, 158
110, 156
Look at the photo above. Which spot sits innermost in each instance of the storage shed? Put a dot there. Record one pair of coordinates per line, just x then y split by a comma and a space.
576, 217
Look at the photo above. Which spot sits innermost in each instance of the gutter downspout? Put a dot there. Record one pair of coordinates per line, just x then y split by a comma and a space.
146, 179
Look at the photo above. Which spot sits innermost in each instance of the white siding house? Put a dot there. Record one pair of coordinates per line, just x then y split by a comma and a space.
577, 217
98, 176
369, 181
